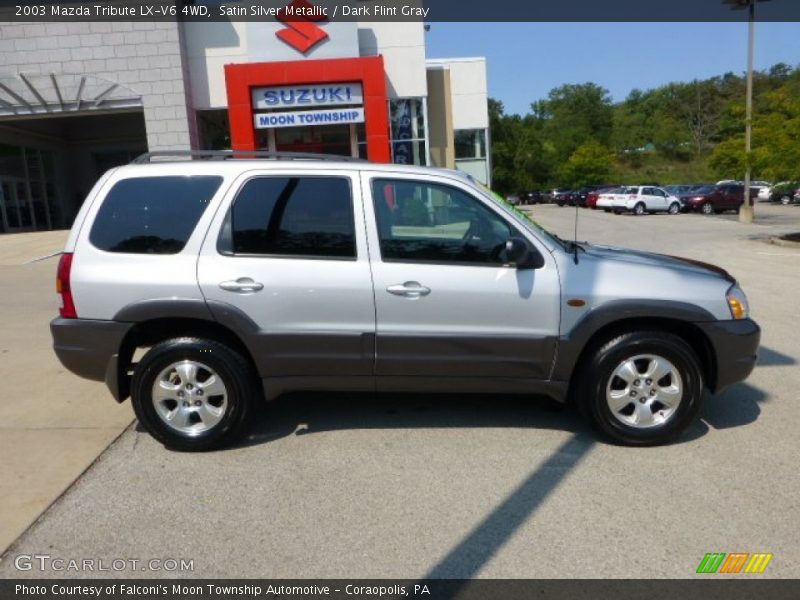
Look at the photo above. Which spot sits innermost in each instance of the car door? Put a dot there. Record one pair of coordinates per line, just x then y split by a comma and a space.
290, 270
650, 199
660, 199
447, 305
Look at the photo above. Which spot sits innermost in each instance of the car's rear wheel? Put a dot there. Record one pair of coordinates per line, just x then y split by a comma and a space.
707, 209
674, 208
639, 209
641, 388
193, 394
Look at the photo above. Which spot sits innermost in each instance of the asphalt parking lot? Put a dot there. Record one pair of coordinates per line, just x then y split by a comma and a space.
409, 487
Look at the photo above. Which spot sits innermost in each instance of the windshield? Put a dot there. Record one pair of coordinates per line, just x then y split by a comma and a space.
521, 216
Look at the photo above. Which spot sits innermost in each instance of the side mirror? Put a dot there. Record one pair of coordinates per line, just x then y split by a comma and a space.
522, 254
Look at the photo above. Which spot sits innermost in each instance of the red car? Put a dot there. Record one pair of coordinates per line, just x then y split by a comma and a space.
715, 198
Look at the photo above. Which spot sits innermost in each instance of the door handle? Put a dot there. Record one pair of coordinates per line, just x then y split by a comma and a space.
409, 289
243, 285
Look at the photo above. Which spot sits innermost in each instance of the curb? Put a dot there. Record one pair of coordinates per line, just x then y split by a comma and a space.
777, 241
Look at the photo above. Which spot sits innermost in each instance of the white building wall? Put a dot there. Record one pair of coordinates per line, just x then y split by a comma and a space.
210, 46
469, 90
403, 48
144, 57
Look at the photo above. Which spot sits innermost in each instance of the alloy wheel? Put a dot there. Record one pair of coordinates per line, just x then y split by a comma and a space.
644, 391
190, 397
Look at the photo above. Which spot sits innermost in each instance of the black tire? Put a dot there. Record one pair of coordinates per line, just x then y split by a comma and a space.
232, 368
707, 208
595, 375
786, 200
639, 209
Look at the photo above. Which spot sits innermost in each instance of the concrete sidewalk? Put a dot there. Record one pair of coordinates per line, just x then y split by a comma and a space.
52, 424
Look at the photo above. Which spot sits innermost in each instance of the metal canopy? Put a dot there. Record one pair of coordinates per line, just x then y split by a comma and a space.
27, 94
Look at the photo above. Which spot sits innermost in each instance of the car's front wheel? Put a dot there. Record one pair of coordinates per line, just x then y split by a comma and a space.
785, 200
641, 388
707, 208
192, 393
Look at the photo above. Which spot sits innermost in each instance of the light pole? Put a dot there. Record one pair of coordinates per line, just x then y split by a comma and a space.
746, 212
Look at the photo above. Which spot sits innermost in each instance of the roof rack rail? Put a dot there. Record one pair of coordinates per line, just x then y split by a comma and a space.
148, 157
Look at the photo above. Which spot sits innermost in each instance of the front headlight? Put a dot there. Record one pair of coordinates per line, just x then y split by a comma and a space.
737, 302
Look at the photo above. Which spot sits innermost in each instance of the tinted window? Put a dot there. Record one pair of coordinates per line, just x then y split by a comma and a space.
152, 215
294, 216
427, 222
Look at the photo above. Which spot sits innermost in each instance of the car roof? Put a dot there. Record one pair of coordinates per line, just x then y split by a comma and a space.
236, 166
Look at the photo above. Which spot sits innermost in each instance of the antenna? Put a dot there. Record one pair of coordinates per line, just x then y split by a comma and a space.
575, 236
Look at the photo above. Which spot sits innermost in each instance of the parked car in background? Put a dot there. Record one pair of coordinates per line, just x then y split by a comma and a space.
763, 188
642, 199
581, 197
593, 197
785, 192
560, 196
605, 199
677, 190
514, 199
715, 198
534, 197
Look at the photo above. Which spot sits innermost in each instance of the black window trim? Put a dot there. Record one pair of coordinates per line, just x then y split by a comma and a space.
225, 237
486, 265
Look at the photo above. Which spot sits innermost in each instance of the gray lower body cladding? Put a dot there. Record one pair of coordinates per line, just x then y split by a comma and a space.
90, 349
735, 346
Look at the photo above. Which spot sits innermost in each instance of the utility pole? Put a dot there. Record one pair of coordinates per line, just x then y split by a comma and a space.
746, 213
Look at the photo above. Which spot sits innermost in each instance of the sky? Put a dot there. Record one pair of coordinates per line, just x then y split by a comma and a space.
526, 60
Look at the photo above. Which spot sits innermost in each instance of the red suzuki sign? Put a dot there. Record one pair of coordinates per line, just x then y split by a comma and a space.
301, 33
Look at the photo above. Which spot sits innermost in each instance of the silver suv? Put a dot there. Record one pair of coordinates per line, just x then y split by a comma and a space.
244, 279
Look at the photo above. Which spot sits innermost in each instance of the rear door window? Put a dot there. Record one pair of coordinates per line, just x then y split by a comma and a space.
152, 215
292, 217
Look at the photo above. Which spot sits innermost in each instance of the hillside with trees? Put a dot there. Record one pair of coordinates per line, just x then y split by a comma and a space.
677, 133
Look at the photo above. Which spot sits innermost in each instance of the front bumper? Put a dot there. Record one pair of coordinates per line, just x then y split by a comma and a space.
90, 349
735, 346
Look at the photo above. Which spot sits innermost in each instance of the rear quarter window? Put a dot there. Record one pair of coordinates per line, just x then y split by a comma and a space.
152, 215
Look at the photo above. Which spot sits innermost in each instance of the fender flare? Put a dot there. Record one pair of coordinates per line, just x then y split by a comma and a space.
572, 344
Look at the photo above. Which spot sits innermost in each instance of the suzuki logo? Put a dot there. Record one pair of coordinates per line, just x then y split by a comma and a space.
301, 33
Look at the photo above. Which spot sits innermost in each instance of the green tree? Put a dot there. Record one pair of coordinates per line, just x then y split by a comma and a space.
591, 163
573, 114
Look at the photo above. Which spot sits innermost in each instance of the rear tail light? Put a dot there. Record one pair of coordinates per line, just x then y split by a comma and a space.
67, 308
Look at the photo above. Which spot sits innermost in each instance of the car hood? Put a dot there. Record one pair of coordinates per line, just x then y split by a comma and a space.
653, 259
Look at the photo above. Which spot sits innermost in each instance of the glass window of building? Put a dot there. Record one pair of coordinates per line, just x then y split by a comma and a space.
470, 143
407, 118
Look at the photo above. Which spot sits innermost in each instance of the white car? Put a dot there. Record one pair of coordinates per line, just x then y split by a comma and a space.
764, 189
641, 199
606, 200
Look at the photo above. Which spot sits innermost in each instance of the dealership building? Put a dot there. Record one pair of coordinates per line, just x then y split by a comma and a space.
79, 98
